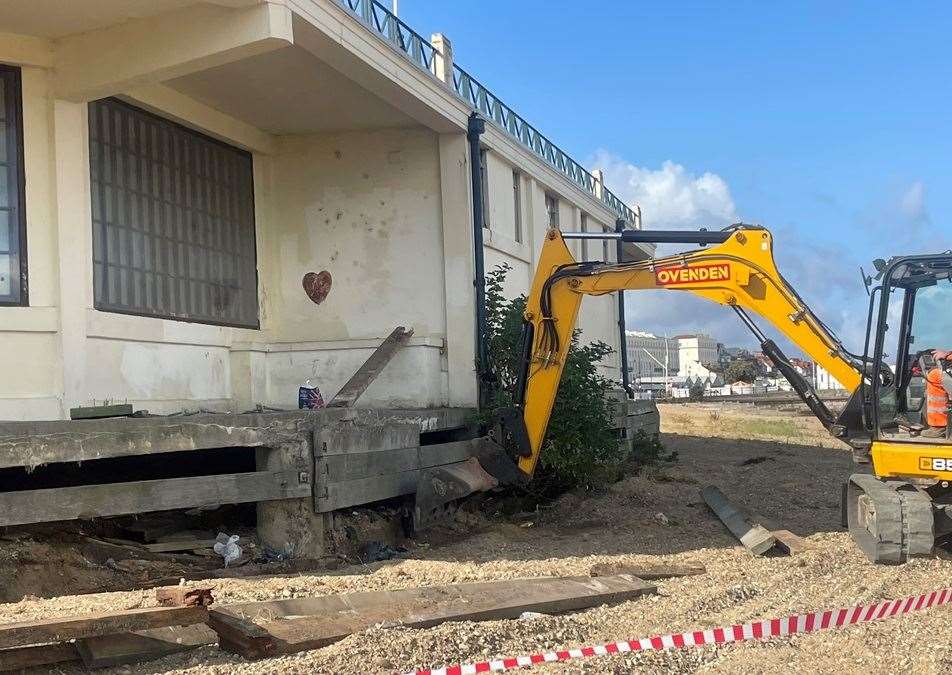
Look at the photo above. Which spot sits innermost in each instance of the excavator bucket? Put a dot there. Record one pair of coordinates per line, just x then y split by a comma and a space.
441, 488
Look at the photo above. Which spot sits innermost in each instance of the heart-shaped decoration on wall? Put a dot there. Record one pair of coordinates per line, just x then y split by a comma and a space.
317, 285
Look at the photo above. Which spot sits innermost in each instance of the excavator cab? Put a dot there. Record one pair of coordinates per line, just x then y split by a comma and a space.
904, 509
910, 319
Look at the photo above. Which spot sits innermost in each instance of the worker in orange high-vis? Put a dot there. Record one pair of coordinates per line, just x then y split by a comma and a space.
938, 393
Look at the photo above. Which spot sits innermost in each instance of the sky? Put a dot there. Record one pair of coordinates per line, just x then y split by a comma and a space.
829, 123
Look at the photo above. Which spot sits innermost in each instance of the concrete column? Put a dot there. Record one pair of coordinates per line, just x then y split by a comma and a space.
637, 224
460, 302
74, 240
291, 525
249, 377
443, 60
599, 182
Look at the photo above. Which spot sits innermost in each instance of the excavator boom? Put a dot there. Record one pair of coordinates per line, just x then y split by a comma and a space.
738, 271
896, 513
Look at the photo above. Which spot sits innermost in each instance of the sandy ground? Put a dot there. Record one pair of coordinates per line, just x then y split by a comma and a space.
795, 486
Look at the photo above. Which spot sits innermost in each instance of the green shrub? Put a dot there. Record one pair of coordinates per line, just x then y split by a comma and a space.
648, 450
581, 448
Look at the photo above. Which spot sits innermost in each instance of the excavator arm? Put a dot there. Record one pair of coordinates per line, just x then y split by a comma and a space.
738, 270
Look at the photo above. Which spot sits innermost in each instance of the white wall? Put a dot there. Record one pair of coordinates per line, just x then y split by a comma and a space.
364, 206
598, 315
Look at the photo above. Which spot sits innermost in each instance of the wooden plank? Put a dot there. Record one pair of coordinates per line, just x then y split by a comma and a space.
355, 465
94, 501
100, 411
36, 449
240, 635
146, 645
448, 453
790, 542
186, 545
365, 490
19, 658
755, 538
646, 572
71, 628
371, 368
310, 623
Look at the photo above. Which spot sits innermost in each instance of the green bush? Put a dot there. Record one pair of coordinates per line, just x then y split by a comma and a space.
581, 448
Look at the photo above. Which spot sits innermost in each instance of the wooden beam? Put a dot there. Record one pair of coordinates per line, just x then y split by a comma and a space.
190, 545
310, 623
105, 651
354, 465
755, 538
338, 495
646, 572
240, 635
114, 499
70, 628
20, 658
37, 449
790, 542
95, 412
372, 367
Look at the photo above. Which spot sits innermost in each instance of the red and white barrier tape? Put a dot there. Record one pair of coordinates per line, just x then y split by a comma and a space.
755, 630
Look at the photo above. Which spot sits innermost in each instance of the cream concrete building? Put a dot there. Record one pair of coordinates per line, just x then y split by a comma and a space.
172, 172
694, 352
649, 355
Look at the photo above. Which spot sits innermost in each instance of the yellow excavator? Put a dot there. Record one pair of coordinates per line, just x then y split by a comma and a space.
897, 510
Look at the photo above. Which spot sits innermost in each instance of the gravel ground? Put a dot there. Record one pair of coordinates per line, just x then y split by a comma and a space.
795, 487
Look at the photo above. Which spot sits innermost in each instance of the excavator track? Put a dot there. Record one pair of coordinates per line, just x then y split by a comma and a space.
891, 521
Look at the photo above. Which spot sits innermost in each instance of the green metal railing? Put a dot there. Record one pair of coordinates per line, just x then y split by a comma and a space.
423, 54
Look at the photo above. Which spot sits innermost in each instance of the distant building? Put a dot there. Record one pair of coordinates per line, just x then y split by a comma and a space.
803, 367
648, 353
695, 350
734, 353
765, 363
823, 381
696, 369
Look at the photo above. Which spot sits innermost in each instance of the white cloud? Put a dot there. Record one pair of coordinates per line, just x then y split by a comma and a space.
912, 203
670, 197
896, 220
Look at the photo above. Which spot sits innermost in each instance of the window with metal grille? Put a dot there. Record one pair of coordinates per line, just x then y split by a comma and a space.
13, 286
173, 220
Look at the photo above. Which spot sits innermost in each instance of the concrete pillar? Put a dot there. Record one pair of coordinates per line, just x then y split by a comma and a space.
599, 182
249, 377
291, 525
74, 240
636, 225
443, 59
460, 302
